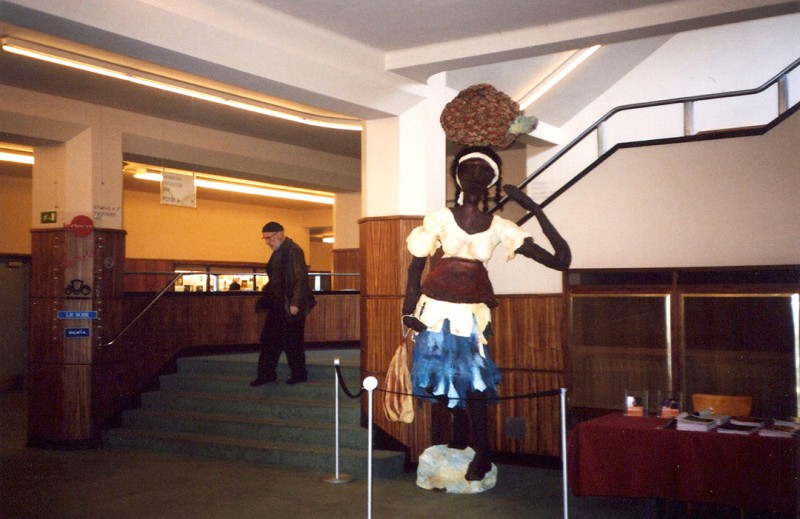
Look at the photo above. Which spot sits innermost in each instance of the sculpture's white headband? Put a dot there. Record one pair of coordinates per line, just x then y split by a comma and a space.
485, 158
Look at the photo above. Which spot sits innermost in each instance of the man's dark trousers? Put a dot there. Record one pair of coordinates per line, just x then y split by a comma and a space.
282, 332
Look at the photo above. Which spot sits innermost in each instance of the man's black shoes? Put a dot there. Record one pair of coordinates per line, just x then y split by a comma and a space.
297, 380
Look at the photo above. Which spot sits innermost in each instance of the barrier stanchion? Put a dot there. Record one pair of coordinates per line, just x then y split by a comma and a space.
336, 477
370, 383
564, 449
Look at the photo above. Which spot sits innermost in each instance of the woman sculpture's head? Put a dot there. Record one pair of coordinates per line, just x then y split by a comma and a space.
476, 169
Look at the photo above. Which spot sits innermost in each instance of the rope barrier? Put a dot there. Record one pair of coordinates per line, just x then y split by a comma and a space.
343, 385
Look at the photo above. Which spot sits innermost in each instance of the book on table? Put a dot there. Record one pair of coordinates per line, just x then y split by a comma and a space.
733, 428
780, 429
751, 421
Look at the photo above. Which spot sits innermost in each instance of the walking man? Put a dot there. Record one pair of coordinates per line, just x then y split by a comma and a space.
287, 299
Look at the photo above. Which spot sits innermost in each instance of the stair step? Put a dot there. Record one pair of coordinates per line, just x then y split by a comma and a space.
316, 433
237, 384
321, 459
321, 370
255, 405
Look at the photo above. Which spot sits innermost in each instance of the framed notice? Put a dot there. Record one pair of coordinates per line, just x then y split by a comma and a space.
178, 189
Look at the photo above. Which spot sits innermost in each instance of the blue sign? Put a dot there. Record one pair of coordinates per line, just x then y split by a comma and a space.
77, 314
76, 333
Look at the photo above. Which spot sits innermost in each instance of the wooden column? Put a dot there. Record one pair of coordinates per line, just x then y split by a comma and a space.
384, 265
76, 292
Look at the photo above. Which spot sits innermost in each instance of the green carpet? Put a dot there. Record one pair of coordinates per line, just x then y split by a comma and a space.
208, 409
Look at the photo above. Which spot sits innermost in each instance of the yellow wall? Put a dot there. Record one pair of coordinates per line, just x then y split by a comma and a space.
15, 224
321, 256
214, 231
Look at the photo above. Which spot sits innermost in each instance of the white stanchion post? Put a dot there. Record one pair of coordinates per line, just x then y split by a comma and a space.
370, 383
563, 398
337, 478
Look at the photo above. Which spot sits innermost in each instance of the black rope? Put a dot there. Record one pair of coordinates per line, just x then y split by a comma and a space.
538, 394
344, 386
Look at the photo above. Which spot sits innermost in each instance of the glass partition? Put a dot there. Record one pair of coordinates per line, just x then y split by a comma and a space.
619, 343
725, 331
192, 280
743, 344
232, 279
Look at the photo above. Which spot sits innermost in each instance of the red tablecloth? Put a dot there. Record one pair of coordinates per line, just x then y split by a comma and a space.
617, 455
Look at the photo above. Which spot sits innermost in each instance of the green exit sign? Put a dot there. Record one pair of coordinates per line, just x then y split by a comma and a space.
48, 217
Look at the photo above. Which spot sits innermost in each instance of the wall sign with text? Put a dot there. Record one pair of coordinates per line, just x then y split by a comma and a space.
177, 189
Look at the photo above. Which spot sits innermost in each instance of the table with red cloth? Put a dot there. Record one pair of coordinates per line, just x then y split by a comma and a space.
617, 455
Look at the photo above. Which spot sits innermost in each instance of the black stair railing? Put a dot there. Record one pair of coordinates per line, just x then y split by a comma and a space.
780, 79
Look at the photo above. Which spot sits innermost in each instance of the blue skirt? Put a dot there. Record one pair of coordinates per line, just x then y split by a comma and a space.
449, 367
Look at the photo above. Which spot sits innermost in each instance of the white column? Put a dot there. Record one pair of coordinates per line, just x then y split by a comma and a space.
404, 158
82, 176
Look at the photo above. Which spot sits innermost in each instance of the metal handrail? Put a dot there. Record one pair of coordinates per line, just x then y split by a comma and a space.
228, 273
151, 303
634, 106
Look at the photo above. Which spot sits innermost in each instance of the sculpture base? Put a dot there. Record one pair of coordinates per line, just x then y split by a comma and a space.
443, 468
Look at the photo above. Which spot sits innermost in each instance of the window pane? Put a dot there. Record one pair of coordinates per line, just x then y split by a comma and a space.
618, 343
742, 345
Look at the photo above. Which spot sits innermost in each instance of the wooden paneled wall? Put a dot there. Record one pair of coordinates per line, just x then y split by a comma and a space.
334, 319
384, 265
346, 261
527, 347
147, 282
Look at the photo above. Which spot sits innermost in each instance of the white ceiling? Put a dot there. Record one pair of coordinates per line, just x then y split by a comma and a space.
512, 44
392, 25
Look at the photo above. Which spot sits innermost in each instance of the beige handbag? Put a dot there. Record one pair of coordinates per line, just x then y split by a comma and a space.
398, 404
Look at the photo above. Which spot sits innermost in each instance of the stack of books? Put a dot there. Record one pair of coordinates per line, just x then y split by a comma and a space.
780, 429
702, 421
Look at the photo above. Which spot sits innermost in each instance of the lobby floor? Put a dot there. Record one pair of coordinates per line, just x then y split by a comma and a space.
119, 484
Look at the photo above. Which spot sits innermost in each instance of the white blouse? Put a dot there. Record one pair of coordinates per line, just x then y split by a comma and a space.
439, 229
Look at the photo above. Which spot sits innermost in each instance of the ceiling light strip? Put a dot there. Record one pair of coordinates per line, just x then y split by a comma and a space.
557, 75
252, 188
68, 59
16, 157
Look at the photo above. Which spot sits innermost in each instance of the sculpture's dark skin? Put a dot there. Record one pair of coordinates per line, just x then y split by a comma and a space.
474, 175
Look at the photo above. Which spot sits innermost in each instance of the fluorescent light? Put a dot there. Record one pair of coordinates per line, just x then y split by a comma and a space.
16, 157
557, 75
328, 239
87, 64
248, 187
264, 191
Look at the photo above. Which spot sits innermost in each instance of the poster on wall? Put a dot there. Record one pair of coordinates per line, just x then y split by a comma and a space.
178, 189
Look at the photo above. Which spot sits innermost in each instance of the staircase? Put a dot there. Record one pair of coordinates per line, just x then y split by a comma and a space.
208, 409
